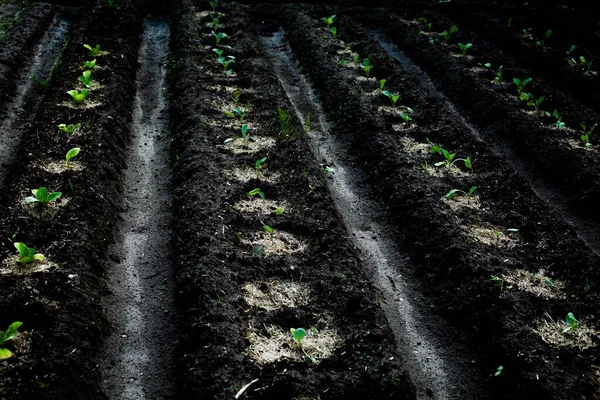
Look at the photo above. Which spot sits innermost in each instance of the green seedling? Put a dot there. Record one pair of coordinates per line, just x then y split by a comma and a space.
572, 322
588, 64
355, 58
446, 34
27, 255
464, 48
333, 31
214, 24
499, 73
42, 196
287, 131
213, 4
327, 169
329, 20
90, 64
509, 22
258, 165
70, 154
78, 96
218, 52
526, 32
236, 96
548, 34
245, 134
406, 117
68, 128
381, 85
521, 83
559, 123
501, 283
255, 192
219, 36
94, 51
86, 78
269, 229
237, 112
393, 97
279, 211
452, 194
225, 61
298, 334
307, 123
587, 133
366, 66
449, 158
571, 49
499, 370
5, 337
531, 100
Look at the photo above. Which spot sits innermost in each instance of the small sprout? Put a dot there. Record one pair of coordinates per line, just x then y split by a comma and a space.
499, 370
279, 211
333, 31
255, 192
548, 34
219, 36
327, 169
287, 131
245, 134
509, 21
488, 65
237, 112
94, 51
366, 66
213, 4
329, 20
549, 283
42, 196
464, 48
5, 337
70, 154
405, 117
218, 52
225, 61
77, 96
532, 100
559, 123
258, 165
86, 78
587, 132
307, 123
91, 64
27, 255
588, 64
499, 73
451, 194
68, 128
446, 34
236, 96
355, 58
500, 281
571, 49
572, 322
449, 158
521, 83
381, 85
298, 334
269, 229
393, 97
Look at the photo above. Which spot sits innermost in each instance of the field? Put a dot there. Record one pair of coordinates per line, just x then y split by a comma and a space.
299, 201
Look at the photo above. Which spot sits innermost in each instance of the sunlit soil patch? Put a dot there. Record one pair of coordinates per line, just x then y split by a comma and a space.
552, 332
443, 171
537, 284
10, 266
459, 202
43, 211
491, 236
259, 206
404, 127
276, 294
411, 146
246, 174
274, 344
58, 167
577, 144
85, 105
280, 243
253, 145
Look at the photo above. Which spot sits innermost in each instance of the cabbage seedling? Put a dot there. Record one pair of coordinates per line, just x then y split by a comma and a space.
77, 96
333, 31
6, 336
532, 100
329, 20
571, 49
91, 64
237, 112
393, 97
548, 34
298, 334
245, 134
464, 48
219, 36
588, 64
572, 322
255, 192
218, 52
405, 117
86, 78
587, 132
285, 122
521, 83
499, 73
68, 128
258, 166
449, 158
70, 154
366, 66
279, 211
452, 194
236, 96
94, 51
213, 4
42, 196
381, 85
355, 58
27, 254
226, 61
559, 123
446, 34
269, 229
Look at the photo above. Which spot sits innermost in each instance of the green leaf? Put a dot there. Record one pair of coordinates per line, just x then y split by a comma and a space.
298, 334
473, 188
451, 194
268, 229
549, 283
254, 192
41, 194
229, 140
5, 353
366, 62
453, 29
279, 211
488, 65
499, 371
524, 96
230, 114
10, 332
570, 319
244, 129
386, 93
21, 248
468, 162
54, 195
72, 153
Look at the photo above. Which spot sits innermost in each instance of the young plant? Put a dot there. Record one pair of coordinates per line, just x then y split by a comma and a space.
329, 21
42, 196
559, 123
237, 112
452, 194
572, 322
258, 166
285, 121
213, 4
68, 128
381, 85
307, 123
94, 51
219, 36
27, 255
355, 58
587, 133
90, 64
571, 49
70, 154
298, 334
279, 211
449, 158
446, 34
406, 117
225, 61
236, 96
464, 48
532, 101
588, 64
5, 337
393, 97
333, 31
214, 24
548, 34
521, 83
255, 192
499, 74
219, 52
366, 66
78, 97
269, 229
86, 78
